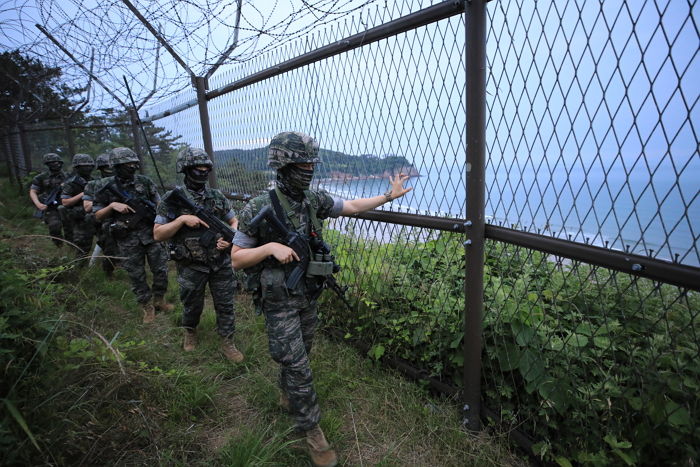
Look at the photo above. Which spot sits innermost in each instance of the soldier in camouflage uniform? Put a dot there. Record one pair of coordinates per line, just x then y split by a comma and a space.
72, 200
200, 258
291, 314
110, 249
133, 229
41, 188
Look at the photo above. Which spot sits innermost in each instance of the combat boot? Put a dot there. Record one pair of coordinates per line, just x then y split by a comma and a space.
230, 351
322, 455
149, 313
190, 340
162, 305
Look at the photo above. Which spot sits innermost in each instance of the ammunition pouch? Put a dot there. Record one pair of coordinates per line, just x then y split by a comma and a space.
195, 250
119, 230
320, 265
273, 284
178, 252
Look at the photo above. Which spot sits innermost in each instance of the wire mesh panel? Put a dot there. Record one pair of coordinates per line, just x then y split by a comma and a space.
179, 129
591, 137
596, 366
392, 106
590, 130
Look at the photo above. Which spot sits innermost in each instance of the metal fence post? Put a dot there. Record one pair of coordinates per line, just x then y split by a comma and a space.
200, 84
70, 140
24, 143
475, 60
137, 140
7, 151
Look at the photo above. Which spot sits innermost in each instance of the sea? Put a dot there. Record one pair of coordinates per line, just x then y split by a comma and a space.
656, 215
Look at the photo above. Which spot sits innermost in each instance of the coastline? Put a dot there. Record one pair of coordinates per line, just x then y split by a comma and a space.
345, 177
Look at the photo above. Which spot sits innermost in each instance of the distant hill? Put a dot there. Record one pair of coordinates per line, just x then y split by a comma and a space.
335, 164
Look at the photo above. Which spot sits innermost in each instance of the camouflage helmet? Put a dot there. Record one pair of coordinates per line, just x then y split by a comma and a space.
51, 157
292, 147
122, 156
102, 161
192, 157
82, 159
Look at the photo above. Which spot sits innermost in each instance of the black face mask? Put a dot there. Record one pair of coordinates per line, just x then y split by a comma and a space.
106, 171
292, 180
84, 171
54, 166
195, 179
126, 171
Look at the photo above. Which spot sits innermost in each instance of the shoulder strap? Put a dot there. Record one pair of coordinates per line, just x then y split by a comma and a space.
283, 210
313, 207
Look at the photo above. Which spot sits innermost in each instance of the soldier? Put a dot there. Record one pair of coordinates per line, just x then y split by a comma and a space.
128, 202
45, 192
201, 257
107, 244
291, 314
72, 200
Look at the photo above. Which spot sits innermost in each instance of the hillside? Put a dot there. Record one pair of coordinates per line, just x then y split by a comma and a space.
334, 163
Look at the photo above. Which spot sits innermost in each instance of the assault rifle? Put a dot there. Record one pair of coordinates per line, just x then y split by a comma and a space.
52, 202
303, 248
144, 210
216, 225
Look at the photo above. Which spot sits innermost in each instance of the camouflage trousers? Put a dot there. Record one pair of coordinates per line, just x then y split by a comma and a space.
135, 254
58, 227
83, 231
290, 333
193, 284
109, 246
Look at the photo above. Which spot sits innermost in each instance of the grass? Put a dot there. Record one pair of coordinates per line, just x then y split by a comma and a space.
95, 386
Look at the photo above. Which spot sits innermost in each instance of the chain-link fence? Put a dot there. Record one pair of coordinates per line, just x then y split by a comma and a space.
587, 346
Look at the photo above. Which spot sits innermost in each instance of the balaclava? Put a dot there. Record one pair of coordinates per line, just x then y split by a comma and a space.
126, 172
195, 179
84, 171
54, 167
292, 180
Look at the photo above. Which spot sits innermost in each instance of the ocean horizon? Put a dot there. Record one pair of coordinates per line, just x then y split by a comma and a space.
657, 215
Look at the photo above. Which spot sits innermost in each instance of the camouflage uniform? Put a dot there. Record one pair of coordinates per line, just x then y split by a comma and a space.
198, 265
53, 216
135, 243
109, 247
290, 314
83, 224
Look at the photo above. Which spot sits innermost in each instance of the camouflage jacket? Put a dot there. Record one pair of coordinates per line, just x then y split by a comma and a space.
186, 245
142, 188
44, 182
72, 186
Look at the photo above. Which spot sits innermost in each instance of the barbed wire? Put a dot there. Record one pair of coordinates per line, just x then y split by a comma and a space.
200, 32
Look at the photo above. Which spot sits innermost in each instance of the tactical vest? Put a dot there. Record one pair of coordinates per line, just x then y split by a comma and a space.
138, 189
49, 181
77, 182
186, 245
269, 275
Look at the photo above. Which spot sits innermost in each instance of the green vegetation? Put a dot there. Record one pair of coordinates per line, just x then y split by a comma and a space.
596, 367
82, 381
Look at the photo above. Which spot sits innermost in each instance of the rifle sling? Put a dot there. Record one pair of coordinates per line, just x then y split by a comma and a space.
279, 201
